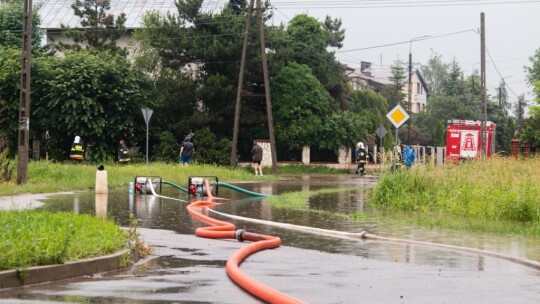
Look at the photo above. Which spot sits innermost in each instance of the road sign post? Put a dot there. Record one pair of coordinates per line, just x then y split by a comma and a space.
397, 117
381, 132
147, 114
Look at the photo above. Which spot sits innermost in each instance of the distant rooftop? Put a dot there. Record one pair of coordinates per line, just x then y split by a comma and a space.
54, 13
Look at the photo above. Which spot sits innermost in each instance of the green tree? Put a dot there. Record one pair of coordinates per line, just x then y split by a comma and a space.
453, 84
167, 149
439, 134
194, 60
99, 29
434, 72
533, 71
10, 75
372, 109
519, 112
499, 116
96, 95
344, 128
11, 25
300, 106
334, 33
502, 94
210, 148
394, 91
306, 42
531, 128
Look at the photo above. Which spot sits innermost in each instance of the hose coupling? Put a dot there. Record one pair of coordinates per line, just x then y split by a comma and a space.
363, 234
238, 235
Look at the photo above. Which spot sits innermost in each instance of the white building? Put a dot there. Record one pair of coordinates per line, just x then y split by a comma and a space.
376, 78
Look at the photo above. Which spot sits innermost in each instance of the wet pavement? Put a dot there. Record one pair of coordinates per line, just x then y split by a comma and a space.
313, 268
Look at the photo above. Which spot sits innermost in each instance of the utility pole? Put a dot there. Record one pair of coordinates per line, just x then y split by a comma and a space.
266, 88
484, 138
409, 91
409, 94
240, 85
24, 100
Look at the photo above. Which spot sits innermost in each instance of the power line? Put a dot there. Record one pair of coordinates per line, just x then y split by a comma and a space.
498, 72
402, 4
406, 42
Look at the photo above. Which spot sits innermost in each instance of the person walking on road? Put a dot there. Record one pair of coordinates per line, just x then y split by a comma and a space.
361, 157
186, 150
256, 156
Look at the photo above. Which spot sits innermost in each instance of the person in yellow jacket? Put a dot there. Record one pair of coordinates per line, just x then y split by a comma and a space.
123, 152
77, 150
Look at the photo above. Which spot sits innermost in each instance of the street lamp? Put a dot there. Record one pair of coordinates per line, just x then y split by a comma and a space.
409, 91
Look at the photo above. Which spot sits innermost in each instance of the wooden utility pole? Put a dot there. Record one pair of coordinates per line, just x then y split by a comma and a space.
240, 85
24, 100
409, 95
266, 88
483, 101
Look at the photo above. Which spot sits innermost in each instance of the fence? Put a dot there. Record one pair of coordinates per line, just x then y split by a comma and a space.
345, 156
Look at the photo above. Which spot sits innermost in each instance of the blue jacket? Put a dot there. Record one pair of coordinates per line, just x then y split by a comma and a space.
408, 156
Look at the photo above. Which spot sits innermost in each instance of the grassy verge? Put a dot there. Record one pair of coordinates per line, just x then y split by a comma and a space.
299, 200
499, 195
30, 238
54, 177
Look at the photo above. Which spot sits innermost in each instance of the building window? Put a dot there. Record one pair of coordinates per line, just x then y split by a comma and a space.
419, 89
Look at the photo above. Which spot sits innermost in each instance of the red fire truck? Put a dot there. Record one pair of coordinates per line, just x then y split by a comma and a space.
463, 139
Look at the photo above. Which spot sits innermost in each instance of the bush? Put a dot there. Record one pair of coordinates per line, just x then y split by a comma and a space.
210, 150
7, 167
168, 149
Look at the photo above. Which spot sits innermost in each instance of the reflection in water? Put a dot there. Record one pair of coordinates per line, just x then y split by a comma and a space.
147, 207
131, 199
101, 205
321, 212
76, 204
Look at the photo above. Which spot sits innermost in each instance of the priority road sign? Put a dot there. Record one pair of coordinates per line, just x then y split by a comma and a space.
397, 116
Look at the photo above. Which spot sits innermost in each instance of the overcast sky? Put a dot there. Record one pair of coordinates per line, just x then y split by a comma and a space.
512, 33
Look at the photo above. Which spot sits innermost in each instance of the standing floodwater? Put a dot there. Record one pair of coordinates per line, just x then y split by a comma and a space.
311, 267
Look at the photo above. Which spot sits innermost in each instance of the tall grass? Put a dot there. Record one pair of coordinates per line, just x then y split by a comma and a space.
30, 238
53, 177
497, 189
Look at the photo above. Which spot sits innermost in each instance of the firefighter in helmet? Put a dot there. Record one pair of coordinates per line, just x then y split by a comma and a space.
361, 157
77, 150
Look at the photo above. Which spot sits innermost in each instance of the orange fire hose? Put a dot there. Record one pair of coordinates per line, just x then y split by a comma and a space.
225, 230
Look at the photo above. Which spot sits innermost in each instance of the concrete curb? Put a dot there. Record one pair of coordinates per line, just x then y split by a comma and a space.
42, 274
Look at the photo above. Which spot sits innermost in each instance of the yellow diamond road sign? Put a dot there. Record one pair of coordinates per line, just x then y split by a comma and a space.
397, 116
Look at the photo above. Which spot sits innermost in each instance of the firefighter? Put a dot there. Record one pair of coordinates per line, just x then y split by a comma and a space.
77, 150
361, 156
123, 152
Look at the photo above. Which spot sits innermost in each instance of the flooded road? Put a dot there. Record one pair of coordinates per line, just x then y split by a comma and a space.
314, 268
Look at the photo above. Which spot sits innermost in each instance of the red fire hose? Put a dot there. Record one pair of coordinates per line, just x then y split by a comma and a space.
224, 230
